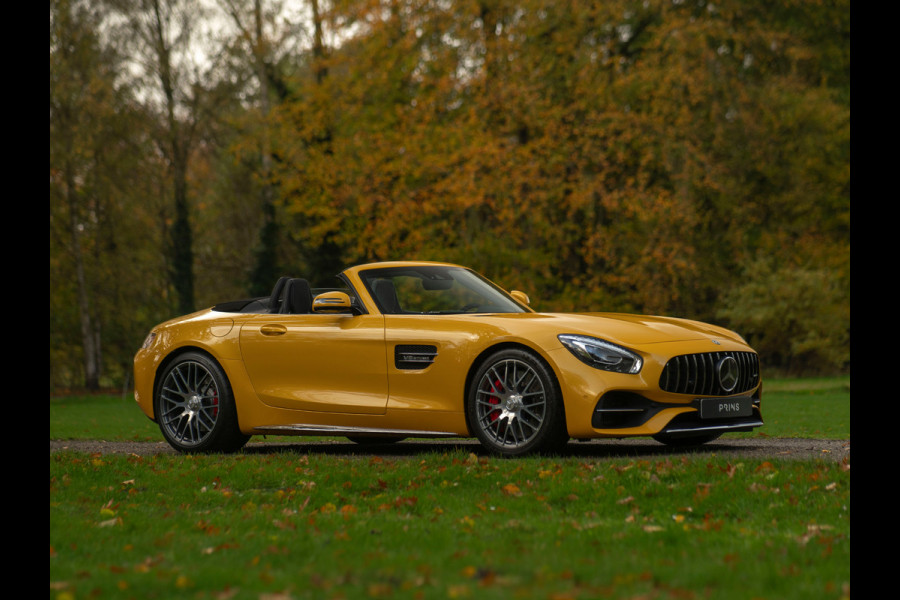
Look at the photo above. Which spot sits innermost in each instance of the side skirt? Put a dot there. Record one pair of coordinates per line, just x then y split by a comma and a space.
300, 429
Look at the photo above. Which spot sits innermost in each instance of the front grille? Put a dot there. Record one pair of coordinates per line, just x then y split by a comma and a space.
696, 374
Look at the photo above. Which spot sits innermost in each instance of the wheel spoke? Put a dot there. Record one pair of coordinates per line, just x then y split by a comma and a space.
519, 423
527, 411
506, 429
180, 379
518, 384
499, 379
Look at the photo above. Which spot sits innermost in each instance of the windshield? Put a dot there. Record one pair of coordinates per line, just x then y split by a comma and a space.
433, 290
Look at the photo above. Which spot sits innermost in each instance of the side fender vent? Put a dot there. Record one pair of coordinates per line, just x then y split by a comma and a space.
410, 357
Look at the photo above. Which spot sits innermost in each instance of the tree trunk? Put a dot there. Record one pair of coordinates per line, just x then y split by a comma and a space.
265, 268
88, 335
182, 244
182, 237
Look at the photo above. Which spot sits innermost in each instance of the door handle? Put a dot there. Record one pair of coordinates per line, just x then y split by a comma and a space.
273, 329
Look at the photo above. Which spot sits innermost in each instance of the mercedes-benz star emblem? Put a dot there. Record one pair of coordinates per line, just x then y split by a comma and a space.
728, 373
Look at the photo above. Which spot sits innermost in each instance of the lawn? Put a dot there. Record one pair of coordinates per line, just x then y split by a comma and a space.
449, 524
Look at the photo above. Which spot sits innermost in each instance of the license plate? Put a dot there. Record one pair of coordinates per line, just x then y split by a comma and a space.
724, 408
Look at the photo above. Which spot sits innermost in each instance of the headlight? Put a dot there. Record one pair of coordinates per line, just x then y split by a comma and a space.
602, 355
149, 341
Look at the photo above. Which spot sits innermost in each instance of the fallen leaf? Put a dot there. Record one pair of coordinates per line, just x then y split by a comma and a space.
405, 501
110, 522
511, 489
458, 591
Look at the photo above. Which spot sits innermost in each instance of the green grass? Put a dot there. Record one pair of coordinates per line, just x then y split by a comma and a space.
807, 408
449, 524
100, 417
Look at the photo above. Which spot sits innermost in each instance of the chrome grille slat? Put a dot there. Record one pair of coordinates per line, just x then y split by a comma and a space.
678, 372
709, 372
695, 374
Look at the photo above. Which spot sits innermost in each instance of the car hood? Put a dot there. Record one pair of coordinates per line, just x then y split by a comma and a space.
631, 330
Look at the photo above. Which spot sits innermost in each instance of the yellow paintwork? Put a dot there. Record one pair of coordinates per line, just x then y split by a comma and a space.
338, 369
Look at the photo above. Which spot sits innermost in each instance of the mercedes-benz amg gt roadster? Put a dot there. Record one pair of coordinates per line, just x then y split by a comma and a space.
417, 349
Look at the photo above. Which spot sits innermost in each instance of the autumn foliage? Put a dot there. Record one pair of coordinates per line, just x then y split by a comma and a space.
680, 156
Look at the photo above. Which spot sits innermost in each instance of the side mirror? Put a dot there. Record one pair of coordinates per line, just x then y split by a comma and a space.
520, 297
332, 302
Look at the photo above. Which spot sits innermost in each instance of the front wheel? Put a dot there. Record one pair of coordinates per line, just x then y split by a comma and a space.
195, 407
514, 406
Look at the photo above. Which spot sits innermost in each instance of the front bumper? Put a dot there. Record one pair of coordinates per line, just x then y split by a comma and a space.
627, 413
658, 400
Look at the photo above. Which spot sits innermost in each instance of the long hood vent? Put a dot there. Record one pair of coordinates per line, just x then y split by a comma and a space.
412, 357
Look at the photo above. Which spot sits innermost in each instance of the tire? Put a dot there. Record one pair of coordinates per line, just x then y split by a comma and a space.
195, 406
688, 440
514, 406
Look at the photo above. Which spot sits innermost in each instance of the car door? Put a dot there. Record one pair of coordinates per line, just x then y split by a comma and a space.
318, 362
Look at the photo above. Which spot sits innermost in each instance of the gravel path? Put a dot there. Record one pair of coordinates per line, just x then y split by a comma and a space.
755, 448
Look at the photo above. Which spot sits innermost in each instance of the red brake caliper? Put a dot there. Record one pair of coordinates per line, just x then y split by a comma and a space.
495, 400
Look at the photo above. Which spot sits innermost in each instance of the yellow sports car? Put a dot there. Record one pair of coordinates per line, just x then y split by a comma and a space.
416, 349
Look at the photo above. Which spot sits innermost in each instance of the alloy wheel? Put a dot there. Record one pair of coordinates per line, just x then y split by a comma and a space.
510, 403
189, 403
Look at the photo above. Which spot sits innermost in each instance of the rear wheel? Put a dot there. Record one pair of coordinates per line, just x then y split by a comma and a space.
514, 406
195, 407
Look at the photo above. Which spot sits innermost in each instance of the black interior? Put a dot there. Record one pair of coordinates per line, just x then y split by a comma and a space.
290, 296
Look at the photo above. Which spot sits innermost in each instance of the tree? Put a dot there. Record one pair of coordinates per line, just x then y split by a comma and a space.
165, 36
81, 101
627, 155
265, 39
614, 156
102, 214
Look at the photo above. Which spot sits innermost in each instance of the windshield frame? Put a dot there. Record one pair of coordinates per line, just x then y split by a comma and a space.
498, 300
